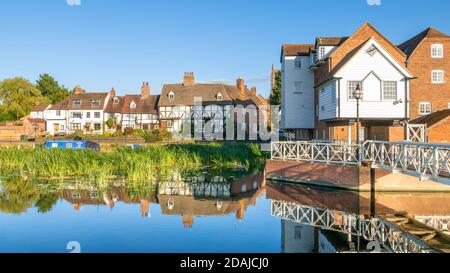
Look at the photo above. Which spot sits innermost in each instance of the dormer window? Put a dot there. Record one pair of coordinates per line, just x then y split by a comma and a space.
171, 95
76, 103
133, 105
116, 100
95, 103
219, 96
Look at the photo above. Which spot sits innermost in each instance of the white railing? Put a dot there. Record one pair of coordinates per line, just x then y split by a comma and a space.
375, 229
425, 160
316, 152
441, 223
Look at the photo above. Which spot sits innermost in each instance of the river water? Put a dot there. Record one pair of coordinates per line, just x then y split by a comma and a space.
198, 212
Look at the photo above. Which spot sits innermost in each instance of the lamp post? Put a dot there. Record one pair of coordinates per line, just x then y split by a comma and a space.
357, 94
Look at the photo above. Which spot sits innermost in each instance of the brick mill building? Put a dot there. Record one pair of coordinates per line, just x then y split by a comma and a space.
401, 85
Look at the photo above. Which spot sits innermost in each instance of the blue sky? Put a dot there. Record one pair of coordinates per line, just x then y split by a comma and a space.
121, 43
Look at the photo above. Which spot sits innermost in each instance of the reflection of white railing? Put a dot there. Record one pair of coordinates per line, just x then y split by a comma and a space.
315, 152
441, 223
427, 161
197, 188
375, 229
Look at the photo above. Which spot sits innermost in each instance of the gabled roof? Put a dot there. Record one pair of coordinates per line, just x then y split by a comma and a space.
432, 118
40, 107
85, 99
296, 49
112, 107
239, 98
184, 95
400, 65
330, 41
410, 46
146, 105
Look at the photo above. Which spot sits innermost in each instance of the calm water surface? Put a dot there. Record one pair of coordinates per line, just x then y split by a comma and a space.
199, 212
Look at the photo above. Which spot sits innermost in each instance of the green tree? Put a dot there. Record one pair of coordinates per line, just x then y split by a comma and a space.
275, 95
18, 97
51, 89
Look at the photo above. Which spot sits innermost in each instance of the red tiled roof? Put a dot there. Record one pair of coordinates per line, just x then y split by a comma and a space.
296, 49
330, 41
40, 107
86, 100
409, 46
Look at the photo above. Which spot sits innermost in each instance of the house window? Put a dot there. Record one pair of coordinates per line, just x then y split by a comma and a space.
389, 90
61, 127
97, 115
321, 53
437, 51
437, 76
77, 115
116, 100
58, 113
75, 126
351, 87
133, 105
76, 103
171, 96
298, 63
424, 108
95, 103
88, 114
97, 126
298, 87
219, 96
169, 124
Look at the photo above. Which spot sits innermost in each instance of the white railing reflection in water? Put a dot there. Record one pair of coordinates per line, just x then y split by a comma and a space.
441, 223
374, 229
427, 161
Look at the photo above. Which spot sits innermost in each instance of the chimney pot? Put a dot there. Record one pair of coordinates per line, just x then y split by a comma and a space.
189, 79
240, 83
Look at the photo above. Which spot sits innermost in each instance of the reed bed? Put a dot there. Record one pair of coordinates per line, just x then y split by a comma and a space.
127, 163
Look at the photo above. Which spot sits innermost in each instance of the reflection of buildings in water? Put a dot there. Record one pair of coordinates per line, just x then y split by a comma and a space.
196, 196
297, 238
202, 198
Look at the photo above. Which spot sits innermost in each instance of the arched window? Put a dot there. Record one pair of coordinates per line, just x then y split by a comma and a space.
116, 100
219, 96
171, 95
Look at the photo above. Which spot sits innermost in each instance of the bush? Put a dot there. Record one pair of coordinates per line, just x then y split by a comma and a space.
78, 134
157, 135
128, 131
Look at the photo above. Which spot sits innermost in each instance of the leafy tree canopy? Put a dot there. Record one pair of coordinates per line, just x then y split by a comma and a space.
51, 89
18, 97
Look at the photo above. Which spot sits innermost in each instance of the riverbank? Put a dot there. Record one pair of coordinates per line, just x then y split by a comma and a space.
126, 163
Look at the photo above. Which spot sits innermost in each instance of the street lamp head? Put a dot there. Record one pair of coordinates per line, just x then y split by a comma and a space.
358, 93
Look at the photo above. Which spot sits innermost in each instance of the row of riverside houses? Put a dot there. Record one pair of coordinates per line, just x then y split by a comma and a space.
90, 111
405, 87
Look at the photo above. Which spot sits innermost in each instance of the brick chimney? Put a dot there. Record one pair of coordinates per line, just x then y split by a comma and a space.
113, 92
145, 90
78, 90
253, 90
240, 83
189, 79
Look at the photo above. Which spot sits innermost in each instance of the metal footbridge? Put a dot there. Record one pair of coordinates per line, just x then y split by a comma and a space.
424, 160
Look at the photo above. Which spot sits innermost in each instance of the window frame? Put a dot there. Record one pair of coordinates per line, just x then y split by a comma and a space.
350, 96
298, 63
95, 103
76, 103
442, 72
97, 115
437, 48
383, 91
425, 103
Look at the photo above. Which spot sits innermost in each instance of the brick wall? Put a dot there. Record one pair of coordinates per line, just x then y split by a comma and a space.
420, 65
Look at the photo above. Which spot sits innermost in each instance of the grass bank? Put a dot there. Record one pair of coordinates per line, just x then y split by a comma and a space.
126, 163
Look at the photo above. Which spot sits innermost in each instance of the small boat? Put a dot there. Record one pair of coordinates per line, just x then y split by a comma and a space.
72, 144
